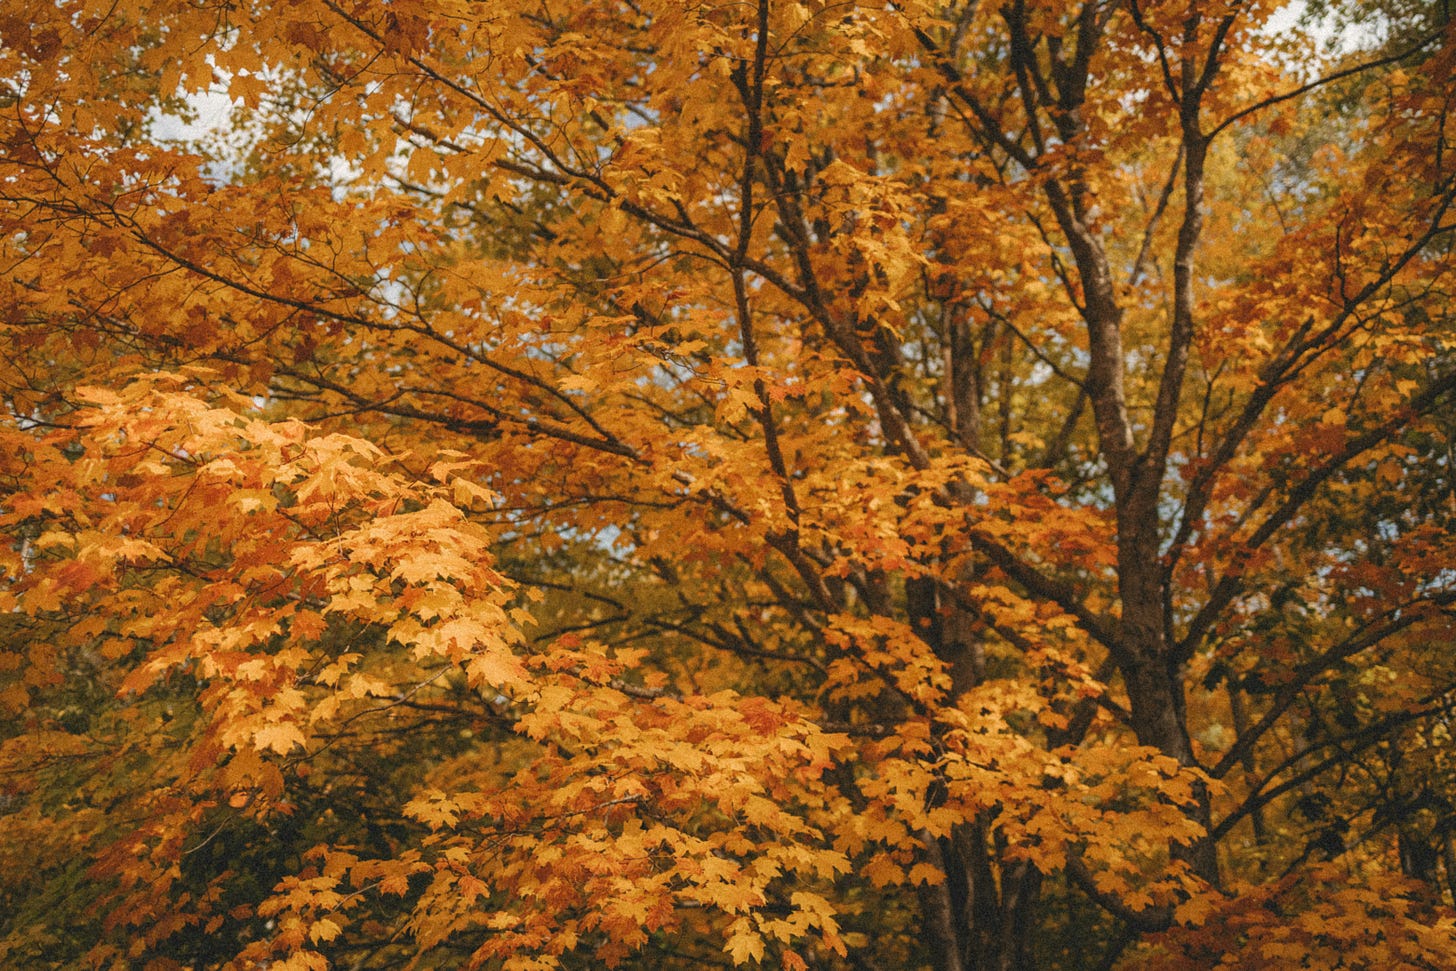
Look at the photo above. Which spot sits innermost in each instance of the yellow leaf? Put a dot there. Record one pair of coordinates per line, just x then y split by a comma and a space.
280, 737
744, 944
323, 930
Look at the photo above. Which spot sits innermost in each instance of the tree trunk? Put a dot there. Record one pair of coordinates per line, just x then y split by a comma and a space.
982, 916
1154, 679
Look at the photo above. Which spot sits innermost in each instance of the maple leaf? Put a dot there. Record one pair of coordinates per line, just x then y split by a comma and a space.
280, 737
744, 944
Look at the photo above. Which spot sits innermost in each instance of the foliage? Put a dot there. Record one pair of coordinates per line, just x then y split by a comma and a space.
820, 485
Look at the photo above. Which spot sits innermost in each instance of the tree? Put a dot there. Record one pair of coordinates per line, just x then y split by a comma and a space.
827, 485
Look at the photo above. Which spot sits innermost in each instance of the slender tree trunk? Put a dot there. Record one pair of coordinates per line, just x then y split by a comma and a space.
1241, 727
944, 926
982, 916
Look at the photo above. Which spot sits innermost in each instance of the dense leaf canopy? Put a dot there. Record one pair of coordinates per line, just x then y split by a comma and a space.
638, 482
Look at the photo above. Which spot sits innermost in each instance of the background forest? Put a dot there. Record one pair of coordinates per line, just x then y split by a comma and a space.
663, 484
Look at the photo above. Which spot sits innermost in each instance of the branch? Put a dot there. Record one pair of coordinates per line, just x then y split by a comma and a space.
1327, 79
1149, 921
1232, 584
1364, 738
1063, 595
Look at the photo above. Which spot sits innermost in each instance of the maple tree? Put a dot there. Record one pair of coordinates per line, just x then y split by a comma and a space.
820, 485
